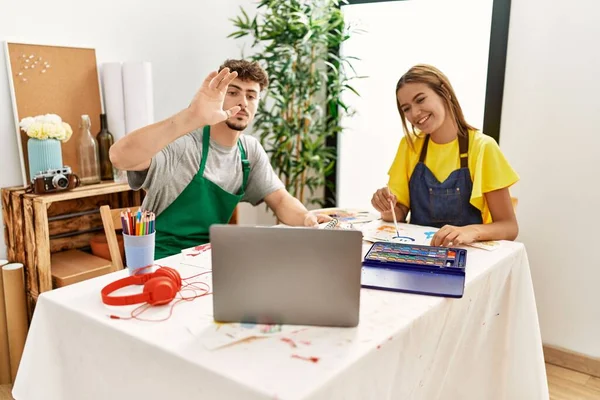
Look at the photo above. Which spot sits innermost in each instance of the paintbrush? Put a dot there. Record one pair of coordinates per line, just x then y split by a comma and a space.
394, 214
395, 221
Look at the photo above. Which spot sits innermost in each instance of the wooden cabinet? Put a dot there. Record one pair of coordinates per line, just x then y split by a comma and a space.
40, 230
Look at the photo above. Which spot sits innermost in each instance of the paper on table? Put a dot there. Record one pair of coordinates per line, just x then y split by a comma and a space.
349, 215
217, 335
114, 107
138, 95
337, 224
198, 256
489, 245
380, 231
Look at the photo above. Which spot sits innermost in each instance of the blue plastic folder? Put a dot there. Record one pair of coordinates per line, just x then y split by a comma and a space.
428, 270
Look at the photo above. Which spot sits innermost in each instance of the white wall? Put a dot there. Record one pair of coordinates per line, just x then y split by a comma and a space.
397, 36
550, 132
183, 39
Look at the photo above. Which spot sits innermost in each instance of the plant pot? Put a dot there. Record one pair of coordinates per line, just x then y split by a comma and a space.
43, 155
99, 246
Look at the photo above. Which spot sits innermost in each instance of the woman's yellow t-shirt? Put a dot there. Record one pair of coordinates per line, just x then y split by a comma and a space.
488, 167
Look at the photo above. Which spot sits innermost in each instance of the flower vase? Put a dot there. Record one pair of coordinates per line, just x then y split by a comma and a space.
43, 155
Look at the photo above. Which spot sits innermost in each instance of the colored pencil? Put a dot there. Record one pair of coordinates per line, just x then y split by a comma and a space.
138, 224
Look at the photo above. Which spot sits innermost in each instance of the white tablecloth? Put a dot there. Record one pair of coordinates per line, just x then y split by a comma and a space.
486, 345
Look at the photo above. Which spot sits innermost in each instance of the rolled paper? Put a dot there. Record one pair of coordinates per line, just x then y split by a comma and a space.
4, 353
138, 95
16, 313
112, 85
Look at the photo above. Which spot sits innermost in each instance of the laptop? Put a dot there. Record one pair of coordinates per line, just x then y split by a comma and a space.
282, 275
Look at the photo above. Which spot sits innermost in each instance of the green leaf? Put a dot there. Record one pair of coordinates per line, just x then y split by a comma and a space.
352, 89
295, 41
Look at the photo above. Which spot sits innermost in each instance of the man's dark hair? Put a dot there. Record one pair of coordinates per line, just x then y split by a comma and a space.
248, 71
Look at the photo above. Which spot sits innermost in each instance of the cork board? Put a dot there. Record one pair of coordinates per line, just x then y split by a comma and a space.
53, 80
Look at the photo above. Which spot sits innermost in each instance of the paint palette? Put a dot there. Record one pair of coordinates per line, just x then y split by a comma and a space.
416, 269
392, 255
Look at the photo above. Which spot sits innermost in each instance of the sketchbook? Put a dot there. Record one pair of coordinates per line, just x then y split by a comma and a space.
381, 231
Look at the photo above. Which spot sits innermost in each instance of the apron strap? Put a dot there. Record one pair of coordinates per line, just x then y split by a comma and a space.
245, 166
424, 149
205, 144
245, 162
463, 148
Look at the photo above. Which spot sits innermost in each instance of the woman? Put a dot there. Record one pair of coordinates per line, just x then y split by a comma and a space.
448, 174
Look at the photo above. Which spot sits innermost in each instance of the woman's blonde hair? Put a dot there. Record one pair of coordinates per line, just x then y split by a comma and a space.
439, 83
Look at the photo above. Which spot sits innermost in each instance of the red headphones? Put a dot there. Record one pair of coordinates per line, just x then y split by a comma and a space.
160, 287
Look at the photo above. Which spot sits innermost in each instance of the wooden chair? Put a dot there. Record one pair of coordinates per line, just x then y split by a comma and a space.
234, 217
111, 219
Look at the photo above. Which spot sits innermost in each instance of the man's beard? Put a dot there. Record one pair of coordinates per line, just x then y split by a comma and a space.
236, 126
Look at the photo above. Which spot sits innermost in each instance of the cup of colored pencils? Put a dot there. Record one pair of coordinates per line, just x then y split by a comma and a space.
138, 239
138, 224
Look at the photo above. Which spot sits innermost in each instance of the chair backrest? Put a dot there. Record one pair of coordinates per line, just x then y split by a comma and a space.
111, 219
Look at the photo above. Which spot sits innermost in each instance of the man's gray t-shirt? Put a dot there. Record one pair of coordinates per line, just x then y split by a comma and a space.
174, 167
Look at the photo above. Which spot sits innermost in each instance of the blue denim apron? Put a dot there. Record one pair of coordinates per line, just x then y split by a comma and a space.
435, 203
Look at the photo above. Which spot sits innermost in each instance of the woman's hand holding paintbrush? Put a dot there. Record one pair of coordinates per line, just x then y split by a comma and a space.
392, 208
391, 211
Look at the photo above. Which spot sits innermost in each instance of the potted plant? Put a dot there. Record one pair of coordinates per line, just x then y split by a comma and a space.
46, 132
297, 43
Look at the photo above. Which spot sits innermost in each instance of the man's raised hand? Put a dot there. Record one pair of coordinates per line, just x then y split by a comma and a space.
207, 106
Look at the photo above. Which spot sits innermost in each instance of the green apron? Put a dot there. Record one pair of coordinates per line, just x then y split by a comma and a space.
186, 222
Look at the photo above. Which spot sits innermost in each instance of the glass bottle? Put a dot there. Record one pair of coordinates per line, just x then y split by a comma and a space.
105, 140
89, 166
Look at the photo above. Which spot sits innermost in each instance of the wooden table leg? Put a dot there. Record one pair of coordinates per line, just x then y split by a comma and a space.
42, 238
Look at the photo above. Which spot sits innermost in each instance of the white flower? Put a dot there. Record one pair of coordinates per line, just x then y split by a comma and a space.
61, 133
50, 129
53, 119
49, 126
36, 130
26, 122
68, 131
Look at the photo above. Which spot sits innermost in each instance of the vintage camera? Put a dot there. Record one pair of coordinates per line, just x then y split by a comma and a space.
54, 180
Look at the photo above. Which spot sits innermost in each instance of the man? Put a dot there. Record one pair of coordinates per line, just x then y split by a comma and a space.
196, 166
